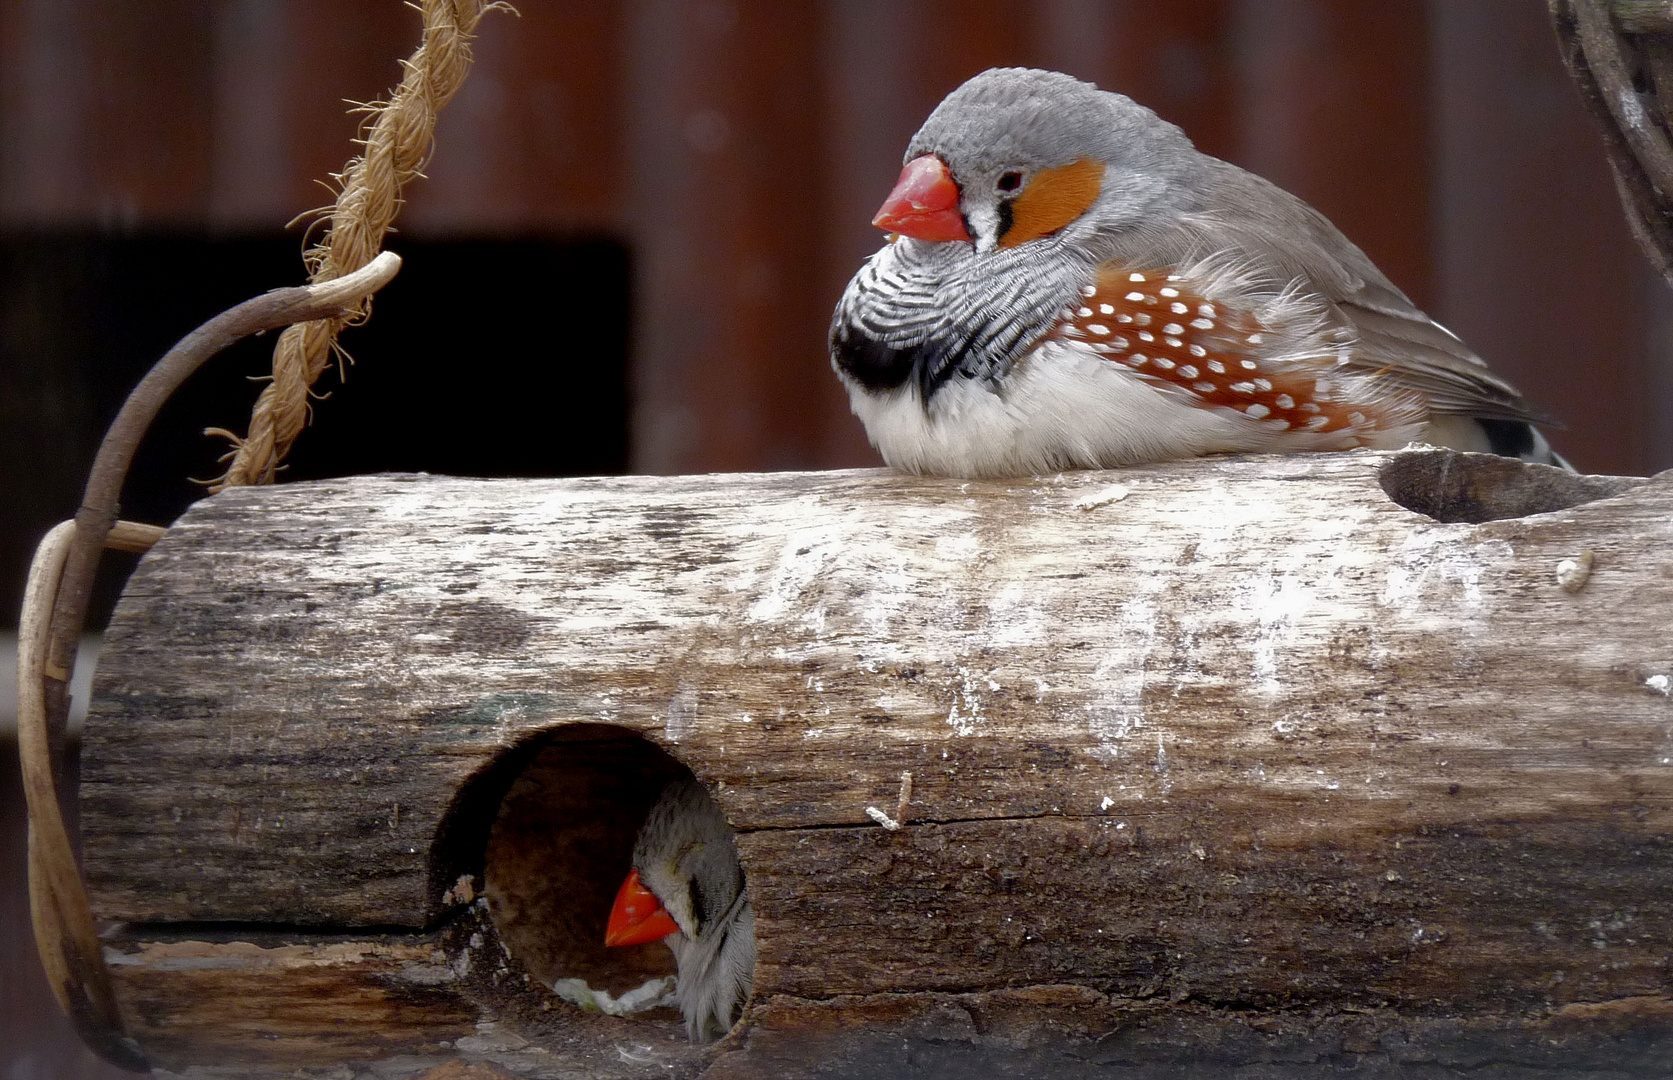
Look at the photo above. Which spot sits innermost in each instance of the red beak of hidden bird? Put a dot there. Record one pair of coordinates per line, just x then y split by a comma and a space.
924, 203
638, 916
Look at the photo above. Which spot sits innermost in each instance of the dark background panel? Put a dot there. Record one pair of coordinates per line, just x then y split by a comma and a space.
482, 358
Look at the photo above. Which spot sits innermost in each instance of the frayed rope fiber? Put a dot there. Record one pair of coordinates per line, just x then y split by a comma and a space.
396, 148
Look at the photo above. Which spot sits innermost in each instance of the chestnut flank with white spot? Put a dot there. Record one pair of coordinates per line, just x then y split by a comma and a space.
1279, 342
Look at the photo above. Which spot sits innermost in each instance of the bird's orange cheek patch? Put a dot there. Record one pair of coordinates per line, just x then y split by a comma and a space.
1052, 199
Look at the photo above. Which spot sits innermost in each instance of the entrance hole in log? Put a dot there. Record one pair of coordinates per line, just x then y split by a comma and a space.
1450, 486
560, 846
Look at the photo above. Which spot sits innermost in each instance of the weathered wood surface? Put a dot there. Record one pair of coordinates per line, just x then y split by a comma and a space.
1236, 751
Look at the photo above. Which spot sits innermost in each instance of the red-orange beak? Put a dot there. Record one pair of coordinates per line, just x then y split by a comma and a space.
924, 203
638, 916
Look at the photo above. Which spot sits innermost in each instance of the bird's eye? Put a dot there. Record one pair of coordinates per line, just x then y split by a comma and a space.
1010, 181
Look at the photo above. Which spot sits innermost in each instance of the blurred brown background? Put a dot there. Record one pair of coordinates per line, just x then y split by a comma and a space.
640, 214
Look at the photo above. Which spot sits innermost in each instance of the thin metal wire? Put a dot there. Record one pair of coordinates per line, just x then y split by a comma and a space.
55, 602
64, 931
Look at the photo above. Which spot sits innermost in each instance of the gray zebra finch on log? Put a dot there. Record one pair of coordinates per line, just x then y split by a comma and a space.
1069, 283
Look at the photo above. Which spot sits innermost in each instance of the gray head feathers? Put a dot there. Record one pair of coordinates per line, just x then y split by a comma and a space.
1023, 120
1007, 117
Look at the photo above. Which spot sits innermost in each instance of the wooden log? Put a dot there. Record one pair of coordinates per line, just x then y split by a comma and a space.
1279, 762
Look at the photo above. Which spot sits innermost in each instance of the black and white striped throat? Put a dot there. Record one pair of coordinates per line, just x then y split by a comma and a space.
925, 313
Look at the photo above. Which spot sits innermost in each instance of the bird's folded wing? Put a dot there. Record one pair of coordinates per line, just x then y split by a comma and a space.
1424, 356
1395, 338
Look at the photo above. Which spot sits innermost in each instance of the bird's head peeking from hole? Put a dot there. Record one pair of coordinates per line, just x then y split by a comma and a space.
686, 888
1017, 155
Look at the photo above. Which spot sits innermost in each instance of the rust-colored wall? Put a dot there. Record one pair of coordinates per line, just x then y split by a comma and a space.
741, 147
1536, 268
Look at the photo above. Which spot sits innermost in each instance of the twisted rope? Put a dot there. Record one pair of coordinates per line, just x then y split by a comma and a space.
396, 150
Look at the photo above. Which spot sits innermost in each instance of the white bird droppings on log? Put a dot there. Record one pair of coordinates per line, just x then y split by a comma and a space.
893, 823
882, 818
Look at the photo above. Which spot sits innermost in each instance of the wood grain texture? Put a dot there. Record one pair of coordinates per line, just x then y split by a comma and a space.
251, 1001
1237, 745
